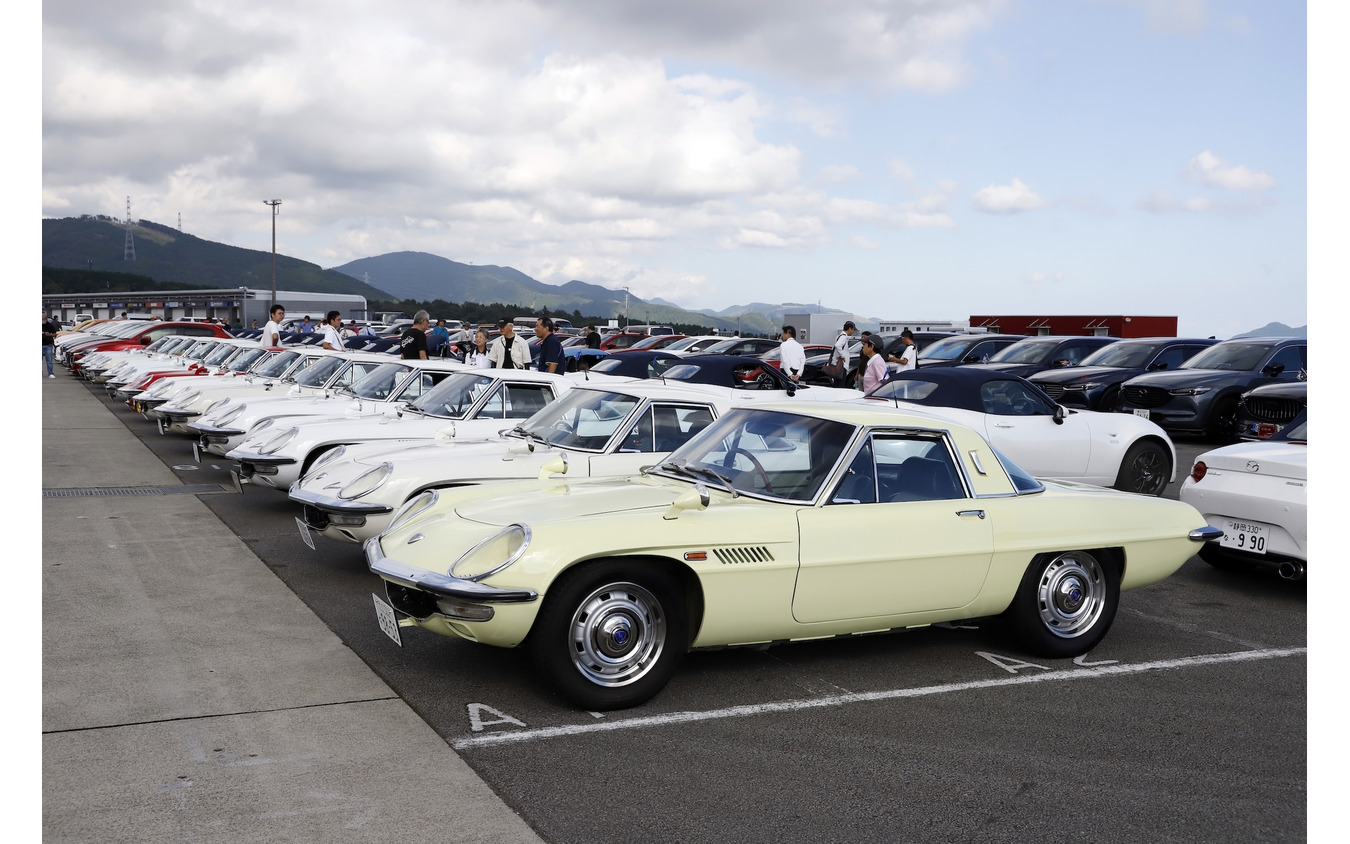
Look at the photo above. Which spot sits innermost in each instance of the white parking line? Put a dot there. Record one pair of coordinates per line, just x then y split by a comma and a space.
866, 697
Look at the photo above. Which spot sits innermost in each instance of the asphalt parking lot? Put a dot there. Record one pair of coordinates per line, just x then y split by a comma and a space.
1187, 724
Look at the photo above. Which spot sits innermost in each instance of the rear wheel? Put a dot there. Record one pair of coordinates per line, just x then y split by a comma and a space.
1146, 469
1065, 603
610, 634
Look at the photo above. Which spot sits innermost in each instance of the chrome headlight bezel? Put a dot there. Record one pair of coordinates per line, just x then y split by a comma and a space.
327, 457
275, 444
367, 482
487, 553
413, 507
230, 415
216, 405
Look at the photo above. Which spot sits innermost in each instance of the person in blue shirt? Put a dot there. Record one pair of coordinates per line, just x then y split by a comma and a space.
437, 338
550, 347
306, 327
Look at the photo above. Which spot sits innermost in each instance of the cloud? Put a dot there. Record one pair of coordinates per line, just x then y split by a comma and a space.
1208, 169
901, 170
1045, 279
834, 174
1160, 201
1174, 17
1012, 198
859, 242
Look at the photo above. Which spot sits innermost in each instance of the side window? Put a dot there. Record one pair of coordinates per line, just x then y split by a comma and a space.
1292, 358
1012, 398
859, 484
639, 437
674, 425
1172, 357
895, 468
493, 408
358, 370
525, 400
420, 385
982, 350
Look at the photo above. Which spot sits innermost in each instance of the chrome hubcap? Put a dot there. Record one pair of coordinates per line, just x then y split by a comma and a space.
617, 634
1071, 594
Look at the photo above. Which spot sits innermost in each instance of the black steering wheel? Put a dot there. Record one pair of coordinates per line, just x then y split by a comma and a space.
759, 467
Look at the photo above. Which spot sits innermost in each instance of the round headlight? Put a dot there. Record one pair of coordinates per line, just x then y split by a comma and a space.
230, 415
367, 482
216, 405
274, 444
328, 457
413, 507
493, 554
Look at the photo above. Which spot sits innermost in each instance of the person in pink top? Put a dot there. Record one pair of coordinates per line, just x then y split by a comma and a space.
874, 365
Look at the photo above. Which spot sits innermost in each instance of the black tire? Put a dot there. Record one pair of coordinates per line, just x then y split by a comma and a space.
1110, 400
610, 634
1223, 424
1146, 469
1065, 603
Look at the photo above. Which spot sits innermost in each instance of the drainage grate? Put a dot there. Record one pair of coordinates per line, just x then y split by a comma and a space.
185, 489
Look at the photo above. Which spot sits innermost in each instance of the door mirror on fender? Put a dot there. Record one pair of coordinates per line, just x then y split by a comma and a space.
1059, 414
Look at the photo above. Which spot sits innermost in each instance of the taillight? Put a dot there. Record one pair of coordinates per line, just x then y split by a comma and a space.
1198, 471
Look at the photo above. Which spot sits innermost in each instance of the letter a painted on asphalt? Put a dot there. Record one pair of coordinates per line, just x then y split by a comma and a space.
476, 722
1008, 664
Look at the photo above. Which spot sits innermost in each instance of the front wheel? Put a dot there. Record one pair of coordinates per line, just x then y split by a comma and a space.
1223, 428
1065, 604
610, 634
1146, 469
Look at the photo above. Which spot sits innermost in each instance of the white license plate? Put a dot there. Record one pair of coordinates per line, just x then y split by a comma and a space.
1141, 412
388, 620
1245, 536
197, 452
304, 533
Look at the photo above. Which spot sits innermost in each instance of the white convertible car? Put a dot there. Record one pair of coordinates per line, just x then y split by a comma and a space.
603, 429
1046, 439
776, 523
470, 404
1257, 494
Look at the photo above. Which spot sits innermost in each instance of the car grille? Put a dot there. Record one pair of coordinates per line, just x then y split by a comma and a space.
1054, 391
1264, 409
1146, 396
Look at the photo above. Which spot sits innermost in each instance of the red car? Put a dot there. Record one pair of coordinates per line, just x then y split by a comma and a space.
656, 341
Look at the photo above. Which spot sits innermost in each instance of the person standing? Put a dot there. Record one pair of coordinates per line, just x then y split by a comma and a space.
792, 354
509, 351
592, 337
907, 355
873, 367
477, 356
840, 357
49, 332
271, 335
550, 347
306, 327
437, 338
414, 341
332, 339
368, 330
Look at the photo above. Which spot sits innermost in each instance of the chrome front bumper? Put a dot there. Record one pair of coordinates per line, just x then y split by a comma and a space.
440, 584
336, 505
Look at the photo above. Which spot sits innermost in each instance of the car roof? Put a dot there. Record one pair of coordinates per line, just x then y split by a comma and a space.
957, 386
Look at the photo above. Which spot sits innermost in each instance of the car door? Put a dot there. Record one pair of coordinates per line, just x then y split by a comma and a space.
1021, 423
897, 535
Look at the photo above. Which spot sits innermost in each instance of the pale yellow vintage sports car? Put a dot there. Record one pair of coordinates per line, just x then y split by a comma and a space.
778, 523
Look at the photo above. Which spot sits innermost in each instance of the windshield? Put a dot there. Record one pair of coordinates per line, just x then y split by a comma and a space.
201, 350
581, 419
1125, 354
243, 361
1239, 356
318, 373
455, 396
949, 349
379, 385
274, 367
220, 354
720, 346
764, 453
1027, 351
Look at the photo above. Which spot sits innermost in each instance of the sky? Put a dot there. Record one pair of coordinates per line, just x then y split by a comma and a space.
901, 159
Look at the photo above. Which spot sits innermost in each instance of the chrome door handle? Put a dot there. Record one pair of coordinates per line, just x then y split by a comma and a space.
979, 513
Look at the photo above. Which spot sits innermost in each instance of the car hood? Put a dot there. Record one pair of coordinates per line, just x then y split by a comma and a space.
1192, 378
1072, 374
568, 501
1279, 460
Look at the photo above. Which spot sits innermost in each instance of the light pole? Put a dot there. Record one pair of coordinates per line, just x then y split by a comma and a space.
274, 203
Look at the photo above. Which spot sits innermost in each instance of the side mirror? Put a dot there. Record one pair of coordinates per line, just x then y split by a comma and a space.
1059, 414
555, 466
1273, 369
145, 341
1157, 365
695, 499
1059, 364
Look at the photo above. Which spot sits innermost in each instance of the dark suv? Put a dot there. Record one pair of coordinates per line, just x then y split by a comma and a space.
1037, 354
1094, 384
962, 349
1201, 397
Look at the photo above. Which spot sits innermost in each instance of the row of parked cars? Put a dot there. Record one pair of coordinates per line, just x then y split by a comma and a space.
611, 522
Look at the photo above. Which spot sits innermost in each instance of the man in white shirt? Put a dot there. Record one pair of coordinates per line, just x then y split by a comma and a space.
793, 356
271, 335
905, 357
331, 338
840, 354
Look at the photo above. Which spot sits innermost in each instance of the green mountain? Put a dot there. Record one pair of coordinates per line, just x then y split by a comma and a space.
171, 257
424, 277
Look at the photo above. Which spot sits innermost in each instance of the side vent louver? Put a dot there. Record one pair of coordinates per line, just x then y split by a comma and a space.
758, 554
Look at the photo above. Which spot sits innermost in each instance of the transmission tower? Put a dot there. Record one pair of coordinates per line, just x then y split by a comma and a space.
129, 252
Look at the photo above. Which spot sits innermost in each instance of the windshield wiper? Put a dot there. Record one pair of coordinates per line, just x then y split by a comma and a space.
530, 435
682, 468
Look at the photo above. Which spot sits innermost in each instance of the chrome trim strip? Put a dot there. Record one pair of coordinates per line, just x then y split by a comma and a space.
440, 584
1208, 533
336, 505
260, 460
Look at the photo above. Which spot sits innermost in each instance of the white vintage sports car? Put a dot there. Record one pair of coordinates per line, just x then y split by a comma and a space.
604, 429
776, 523
470, 404
1048, 440
277, 376
1257, 494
